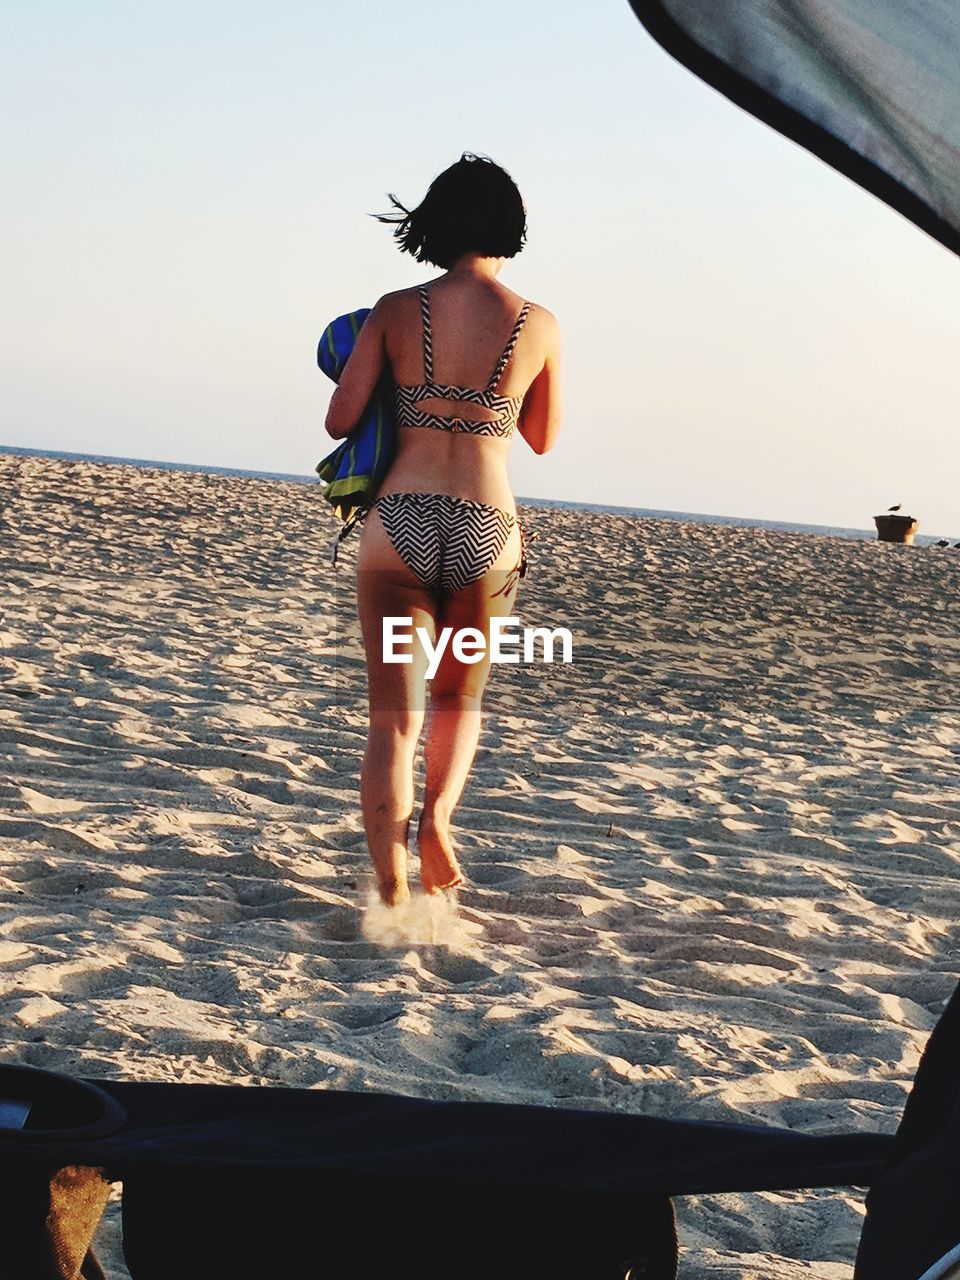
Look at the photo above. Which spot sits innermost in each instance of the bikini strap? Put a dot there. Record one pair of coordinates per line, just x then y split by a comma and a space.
427, 337
508, 349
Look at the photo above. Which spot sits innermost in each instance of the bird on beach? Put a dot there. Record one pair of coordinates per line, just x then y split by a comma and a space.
896, 508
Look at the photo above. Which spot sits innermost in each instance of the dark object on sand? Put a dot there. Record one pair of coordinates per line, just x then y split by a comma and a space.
870, 86
228, 1180
896, 528
896, 508
912, 1228
942, 543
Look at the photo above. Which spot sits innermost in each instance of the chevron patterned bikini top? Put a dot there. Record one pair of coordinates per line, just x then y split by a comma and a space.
508, 407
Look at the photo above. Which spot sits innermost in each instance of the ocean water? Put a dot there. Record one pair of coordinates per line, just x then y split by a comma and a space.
787, 526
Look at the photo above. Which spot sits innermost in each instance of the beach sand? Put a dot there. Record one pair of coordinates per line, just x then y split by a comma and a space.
714, 864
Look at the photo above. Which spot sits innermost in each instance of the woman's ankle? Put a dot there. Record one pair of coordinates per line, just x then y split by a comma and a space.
393, 890
436, 814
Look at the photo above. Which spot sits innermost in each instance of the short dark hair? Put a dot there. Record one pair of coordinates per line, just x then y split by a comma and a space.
472, 207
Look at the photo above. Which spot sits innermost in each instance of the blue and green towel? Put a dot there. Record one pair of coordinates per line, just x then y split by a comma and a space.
353, 472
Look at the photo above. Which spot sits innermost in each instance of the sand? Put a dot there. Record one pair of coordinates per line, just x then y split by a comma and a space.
714, 864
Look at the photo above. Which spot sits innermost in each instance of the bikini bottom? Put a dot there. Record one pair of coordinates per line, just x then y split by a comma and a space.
449, 542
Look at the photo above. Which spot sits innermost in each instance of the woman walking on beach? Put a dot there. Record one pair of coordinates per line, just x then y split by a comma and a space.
442, 545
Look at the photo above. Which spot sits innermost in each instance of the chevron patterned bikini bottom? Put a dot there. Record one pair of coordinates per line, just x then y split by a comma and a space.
449, 542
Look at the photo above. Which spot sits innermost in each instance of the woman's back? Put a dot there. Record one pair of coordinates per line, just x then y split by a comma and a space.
471, 321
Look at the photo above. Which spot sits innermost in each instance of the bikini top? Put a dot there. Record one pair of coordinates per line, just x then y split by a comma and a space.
508, 407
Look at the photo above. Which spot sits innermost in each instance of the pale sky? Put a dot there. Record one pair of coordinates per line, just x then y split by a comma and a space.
746, 332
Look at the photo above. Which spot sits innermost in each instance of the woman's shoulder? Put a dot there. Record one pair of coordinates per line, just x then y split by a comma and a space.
401, 304
536, 311
544, 325
400, 298
391, 302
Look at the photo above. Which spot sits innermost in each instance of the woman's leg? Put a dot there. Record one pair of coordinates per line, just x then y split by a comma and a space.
387, 588
453, 729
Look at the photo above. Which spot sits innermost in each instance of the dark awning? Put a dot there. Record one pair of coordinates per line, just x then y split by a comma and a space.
870, 86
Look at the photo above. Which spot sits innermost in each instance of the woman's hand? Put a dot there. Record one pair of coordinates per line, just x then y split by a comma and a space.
360, 376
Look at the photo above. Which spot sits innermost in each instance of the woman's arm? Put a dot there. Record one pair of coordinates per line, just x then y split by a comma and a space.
542, 407
360, 376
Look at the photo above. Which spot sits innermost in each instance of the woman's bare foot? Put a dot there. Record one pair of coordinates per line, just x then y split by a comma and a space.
439, 868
